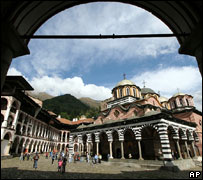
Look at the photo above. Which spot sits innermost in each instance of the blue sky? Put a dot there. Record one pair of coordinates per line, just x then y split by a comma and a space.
91, 68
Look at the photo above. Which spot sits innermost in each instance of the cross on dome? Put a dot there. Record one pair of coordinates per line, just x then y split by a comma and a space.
144, 82
124, 76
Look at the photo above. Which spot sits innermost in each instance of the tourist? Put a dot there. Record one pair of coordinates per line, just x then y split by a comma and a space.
50, 154
60, 162
36, 158
21, 156
96, 159
52, 159
100, 158
64, 164
28, 156
87, 157
47, 154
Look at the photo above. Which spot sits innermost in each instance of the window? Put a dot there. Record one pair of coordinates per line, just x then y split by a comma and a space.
10, 121
121, 93
127, 92
14, 107
187, 102
116, 113
175, 105
135, 113
4, 103
115, 94
134, 92
181, 101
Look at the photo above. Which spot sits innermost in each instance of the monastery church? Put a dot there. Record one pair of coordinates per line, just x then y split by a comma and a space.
135, 123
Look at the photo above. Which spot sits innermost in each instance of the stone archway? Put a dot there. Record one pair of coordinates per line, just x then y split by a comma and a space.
6, 144
130, 145
104, 145
116, 145
150, 144
24, 18
15, 145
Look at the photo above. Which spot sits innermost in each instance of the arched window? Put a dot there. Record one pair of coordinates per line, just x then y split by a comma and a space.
18, 127
10, 121
2, 118
181, 101
20, 119
115, 94
14, 107
135, 112
120, 93
116, 113
134, 92
127, 91
4, 103
188, 104
175, 105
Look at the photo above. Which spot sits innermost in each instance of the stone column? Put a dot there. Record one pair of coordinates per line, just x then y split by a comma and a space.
140, 150
66, 136
61, 136
186, 146
193, 148
122, 151
14, 124
179, 151
31, 150
97, 148
110, 149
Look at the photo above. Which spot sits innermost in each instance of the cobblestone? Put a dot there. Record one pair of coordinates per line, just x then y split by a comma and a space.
16, 169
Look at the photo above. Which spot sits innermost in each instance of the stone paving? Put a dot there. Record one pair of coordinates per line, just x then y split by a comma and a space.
16, 169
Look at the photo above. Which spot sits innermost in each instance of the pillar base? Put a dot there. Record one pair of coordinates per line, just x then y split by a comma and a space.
141, 159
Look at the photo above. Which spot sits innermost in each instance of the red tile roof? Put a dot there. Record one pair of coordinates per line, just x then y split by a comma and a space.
66, 121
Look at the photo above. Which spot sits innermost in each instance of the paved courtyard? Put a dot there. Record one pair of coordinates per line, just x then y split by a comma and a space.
16, 169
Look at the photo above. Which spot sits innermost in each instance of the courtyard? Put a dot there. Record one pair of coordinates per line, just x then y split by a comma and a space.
16, 169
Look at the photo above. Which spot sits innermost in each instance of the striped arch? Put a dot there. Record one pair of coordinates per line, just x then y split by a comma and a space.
195, 136
182, 134
174, 132
189, 134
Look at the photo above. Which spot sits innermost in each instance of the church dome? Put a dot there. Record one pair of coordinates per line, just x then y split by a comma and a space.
147, 91
125, 82
178, 94
163, 99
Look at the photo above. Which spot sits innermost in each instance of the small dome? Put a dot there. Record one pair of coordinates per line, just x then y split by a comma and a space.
163, 99
178, 94
125, 82
147, 91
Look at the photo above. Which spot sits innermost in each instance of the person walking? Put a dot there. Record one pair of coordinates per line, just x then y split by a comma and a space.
21, 156
64, 164
60, 162
36, 158
52, 159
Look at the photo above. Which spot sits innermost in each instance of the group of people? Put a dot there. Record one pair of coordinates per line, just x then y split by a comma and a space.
95, 159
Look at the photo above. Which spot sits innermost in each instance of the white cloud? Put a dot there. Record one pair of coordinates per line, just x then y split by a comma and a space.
13, 72
75, 86
50, 57
187, 79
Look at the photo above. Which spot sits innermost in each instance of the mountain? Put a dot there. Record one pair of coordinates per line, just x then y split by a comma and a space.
40, 95
66, 105
91, 102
